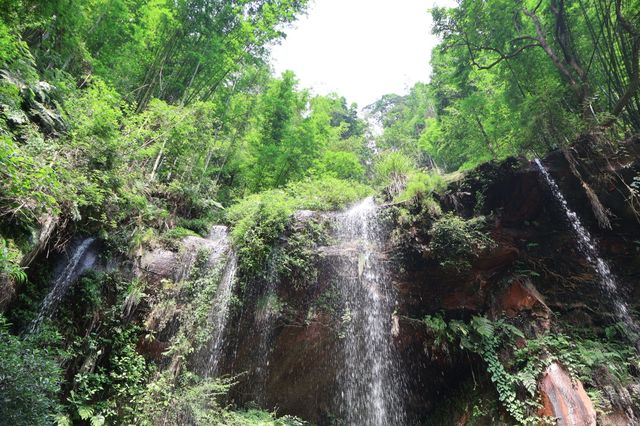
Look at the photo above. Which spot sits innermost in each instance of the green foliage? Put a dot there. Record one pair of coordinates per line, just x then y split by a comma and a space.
172, 237
487, 338
10, 262
403, 119
421, 185
115, 388
30, 185
516, 369
456, 241
199, 401
30, 378
259, 219
518, 78
393, 169
329, 301
295, 260
260, 418
191, 399
583, 353
294, 136
342, 165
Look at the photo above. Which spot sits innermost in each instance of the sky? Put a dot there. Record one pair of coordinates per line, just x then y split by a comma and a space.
361, 49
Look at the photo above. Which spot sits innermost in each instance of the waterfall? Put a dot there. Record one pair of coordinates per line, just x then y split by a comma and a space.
267, 311
221, 258
220, 313
589, 250
217, 243
81, 260
370, 382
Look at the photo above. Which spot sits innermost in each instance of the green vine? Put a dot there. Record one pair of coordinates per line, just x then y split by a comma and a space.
486, 338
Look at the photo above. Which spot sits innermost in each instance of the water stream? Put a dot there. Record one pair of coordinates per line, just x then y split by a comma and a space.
370, 383
219, 314
82, 259
222, 262
267, 311
589, 249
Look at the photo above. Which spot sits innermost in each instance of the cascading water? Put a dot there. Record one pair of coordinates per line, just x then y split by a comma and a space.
589, 249
219, 314
81, 260
221, 259
370, 383
217, 243
267, 311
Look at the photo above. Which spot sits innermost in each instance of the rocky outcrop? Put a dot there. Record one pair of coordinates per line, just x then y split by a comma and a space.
564, 399
285, 330
521, 299
534, 276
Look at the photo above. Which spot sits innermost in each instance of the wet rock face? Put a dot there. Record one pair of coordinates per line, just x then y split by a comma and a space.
286, 351
521, 299
163, 270
159, 264
533, 275
565, 399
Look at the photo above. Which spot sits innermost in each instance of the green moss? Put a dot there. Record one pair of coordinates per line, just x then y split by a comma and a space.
172, 237
455, 241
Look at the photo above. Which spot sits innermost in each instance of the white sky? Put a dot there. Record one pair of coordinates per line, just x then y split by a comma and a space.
361, 49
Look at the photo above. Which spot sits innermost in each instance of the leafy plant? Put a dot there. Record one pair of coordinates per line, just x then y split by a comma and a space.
421, 184
9, 262
487, 338
30, 378
455, 241
258, 220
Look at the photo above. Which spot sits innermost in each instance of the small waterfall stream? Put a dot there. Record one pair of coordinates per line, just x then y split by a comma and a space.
219, 314
266, 313
222, 258
81, 260
589, 249
369, 382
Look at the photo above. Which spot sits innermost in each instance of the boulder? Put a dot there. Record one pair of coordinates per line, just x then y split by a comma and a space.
565, 399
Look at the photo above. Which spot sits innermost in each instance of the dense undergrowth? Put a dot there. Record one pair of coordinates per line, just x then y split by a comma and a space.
515, 367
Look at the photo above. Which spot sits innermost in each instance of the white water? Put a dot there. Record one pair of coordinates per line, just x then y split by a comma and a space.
218, 244
370, 383
221, 258
81, 260
589, 250
220, 313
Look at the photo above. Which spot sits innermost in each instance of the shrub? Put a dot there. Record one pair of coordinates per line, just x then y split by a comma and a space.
260, 218
421, 184
516, 369
172, 236
29, 380
342, 165
195, 400
10, 257
393, 169
454, 241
